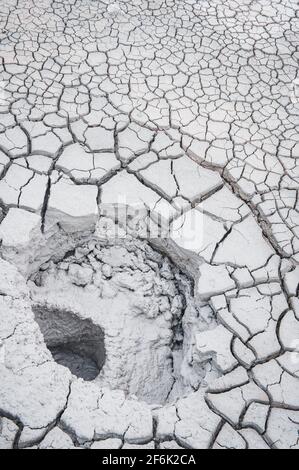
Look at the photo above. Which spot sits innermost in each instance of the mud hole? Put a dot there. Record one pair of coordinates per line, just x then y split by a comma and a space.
74, 343
121, 314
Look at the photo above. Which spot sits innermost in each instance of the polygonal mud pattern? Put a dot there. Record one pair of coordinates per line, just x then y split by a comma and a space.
176, 122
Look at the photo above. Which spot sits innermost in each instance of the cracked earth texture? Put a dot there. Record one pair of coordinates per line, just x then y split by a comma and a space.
172, 125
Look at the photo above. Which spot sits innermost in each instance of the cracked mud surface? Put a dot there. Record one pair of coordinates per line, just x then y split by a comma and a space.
168, 128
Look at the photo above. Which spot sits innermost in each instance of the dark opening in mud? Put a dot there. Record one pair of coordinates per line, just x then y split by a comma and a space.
74, 342
121, 313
